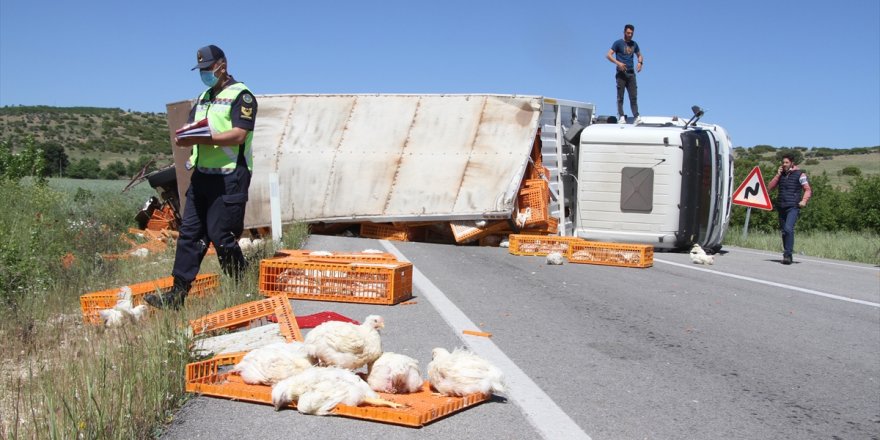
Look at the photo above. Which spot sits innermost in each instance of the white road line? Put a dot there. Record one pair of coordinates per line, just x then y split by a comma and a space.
801, 258
771, 283
540, 410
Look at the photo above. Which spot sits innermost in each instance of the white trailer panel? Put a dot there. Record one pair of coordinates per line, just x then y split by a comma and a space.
386, 157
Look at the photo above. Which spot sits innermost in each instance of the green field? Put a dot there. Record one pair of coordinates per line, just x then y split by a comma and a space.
868, 163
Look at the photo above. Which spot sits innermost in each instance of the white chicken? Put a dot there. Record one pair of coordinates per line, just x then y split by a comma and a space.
320, 254
523, 216
123, 313
555, 258
272, 363
318, 390
346, 345
698, 256
396, 374
461, 373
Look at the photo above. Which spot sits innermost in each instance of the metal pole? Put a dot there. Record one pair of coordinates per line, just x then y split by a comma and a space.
746, 225
275, 207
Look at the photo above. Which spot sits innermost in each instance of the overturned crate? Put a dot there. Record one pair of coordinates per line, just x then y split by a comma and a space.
524, 244
212, 378
468, 230
386, 231
91, 303
611, 254
245, 314
360, 282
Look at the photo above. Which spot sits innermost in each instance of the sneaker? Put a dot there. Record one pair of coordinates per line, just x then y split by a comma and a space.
786, 259
621, 119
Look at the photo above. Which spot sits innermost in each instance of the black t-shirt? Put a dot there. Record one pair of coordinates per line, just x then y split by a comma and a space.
243, 112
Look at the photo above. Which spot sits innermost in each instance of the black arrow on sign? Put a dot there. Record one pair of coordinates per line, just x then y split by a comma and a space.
752, 191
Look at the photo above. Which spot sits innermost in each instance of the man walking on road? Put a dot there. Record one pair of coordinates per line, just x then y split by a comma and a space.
218, 190
794, 193
621, 54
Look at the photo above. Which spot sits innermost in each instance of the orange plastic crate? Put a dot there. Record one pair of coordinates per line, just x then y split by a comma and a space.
385, 231
336, 257
611, 254
158, 225
534, 198
243, 314
465, 231
209, 378
105, 299
360, 282
523, 244
550, 227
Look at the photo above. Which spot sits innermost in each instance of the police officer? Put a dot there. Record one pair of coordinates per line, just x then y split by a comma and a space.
222, 163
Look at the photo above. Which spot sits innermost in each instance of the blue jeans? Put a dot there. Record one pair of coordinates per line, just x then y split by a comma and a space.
787, 218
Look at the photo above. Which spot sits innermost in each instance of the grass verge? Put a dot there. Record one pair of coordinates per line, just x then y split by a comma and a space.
861, 247
60, 378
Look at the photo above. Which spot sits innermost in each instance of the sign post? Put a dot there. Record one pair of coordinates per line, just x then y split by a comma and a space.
752, 193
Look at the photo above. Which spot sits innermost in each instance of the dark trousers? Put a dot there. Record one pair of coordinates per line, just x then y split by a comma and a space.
787, 218
214, 213
627, 81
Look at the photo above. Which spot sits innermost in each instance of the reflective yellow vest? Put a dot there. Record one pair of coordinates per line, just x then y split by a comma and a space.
214, 159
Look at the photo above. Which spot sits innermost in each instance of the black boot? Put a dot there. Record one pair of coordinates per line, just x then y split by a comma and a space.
172, 299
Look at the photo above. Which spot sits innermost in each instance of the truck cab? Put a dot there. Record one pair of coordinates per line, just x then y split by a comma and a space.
658, 181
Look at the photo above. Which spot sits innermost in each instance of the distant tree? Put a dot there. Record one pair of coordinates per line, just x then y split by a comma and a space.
864, 197
761, 149
85, 168
851, 170
114, 171
56, 159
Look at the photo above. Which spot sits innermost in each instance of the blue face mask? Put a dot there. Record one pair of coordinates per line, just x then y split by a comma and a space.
208, 77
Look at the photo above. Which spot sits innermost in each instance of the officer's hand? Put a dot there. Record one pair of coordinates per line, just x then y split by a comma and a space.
802, 204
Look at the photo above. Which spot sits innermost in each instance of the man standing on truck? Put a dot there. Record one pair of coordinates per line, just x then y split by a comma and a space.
621, 54
218, 190
794, 193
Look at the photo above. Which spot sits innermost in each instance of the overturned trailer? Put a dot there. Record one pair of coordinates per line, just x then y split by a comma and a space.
417, 158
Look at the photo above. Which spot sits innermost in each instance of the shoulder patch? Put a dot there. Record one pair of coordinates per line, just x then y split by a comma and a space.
247, 113
247, 98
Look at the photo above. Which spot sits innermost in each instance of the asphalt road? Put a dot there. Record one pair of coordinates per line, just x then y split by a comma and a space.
744, 349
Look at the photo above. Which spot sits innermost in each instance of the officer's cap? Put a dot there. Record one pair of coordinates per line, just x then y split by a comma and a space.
207, 56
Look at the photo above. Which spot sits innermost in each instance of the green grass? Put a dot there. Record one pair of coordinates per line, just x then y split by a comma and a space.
862, 247
60, 378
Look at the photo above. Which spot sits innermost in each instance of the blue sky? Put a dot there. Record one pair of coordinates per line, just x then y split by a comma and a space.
771, 72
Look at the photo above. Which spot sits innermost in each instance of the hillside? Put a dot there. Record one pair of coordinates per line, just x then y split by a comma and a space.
114, 143
841, 166
104, 134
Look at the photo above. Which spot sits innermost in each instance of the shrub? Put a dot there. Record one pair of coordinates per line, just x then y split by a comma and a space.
851, 170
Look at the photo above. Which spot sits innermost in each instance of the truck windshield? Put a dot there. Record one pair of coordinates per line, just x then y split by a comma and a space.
698, 188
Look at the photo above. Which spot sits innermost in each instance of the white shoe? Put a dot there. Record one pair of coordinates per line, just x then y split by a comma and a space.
621, 119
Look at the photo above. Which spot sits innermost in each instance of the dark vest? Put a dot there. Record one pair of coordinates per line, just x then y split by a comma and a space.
790, 190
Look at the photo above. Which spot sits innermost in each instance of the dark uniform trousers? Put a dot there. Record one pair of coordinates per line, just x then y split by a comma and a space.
214, 213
